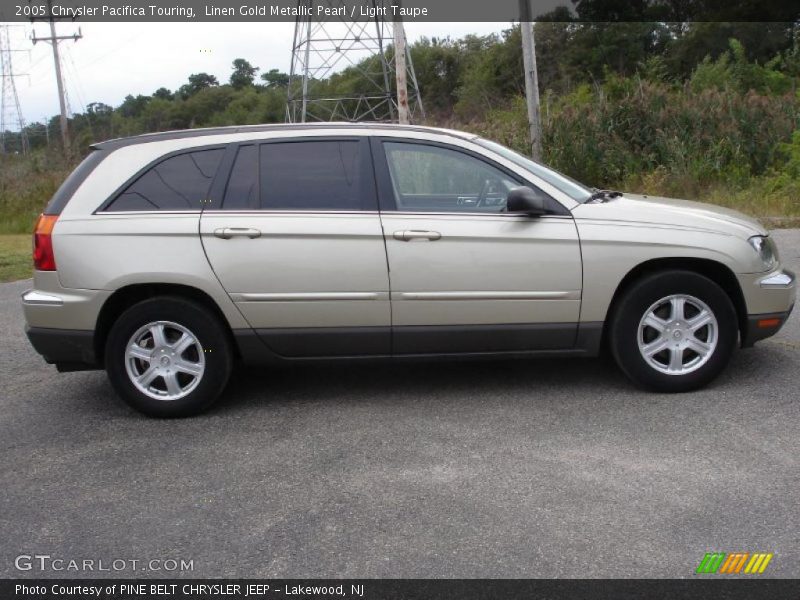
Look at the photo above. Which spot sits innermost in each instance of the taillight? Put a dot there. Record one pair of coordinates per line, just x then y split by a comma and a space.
43, 257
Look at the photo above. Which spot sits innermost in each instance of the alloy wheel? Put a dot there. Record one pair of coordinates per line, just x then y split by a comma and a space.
678, 334
164, 360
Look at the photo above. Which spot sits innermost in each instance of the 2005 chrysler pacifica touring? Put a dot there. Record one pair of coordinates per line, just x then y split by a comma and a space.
164, 258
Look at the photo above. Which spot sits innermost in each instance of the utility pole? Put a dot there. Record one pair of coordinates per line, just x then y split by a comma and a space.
54, 39
531, 78
400, 67
8, 95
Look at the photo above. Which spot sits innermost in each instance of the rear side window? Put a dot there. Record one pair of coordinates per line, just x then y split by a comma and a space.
73, 182
320, 175
310, 175
178, 183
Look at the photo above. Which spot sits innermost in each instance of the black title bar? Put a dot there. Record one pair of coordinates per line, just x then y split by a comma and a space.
408, 10
400, 589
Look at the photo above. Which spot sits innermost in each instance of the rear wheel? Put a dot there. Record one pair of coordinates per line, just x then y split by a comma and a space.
674, 331
168, 357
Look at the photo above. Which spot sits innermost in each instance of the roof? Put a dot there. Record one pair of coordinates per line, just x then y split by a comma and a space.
214, 131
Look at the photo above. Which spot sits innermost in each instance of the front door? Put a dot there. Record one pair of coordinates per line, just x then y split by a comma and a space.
297, 244
466, 276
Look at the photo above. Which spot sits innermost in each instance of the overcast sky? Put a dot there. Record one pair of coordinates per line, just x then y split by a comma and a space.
116, 59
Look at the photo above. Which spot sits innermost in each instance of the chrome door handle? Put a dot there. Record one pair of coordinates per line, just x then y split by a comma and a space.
415, 234
227, 233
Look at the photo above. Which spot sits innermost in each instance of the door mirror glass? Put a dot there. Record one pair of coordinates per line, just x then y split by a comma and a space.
524, 200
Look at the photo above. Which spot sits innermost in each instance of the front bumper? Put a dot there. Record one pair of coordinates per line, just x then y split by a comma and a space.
770, 300
759, 327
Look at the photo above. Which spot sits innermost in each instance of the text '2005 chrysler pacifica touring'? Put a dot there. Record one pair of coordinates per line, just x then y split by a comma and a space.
166, 258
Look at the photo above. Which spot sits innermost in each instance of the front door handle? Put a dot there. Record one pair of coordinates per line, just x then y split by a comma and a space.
227, 233
415, 234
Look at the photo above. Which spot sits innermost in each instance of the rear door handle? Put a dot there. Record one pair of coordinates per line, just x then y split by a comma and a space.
415, 234
227, 233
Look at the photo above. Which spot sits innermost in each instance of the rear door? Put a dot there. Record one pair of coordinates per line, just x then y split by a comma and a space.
466, 275
297, 244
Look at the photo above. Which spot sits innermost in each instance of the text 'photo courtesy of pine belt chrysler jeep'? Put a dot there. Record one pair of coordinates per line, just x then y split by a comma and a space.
167, 258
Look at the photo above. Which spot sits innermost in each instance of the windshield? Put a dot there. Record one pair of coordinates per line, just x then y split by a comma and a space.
574, 189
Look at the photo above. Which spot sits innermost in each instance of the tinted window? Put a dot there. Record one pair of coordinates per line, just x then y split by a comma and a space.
73, 182
313, 175
177, 183
430, 178
242, 190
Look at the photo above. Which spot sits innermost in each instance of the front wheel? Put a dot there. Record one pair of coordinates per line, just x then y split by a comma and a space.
673, 331
168, 357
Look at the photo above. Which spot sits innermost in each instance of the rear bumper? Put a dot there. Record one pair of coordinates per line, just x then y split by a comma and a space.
68, 349
51, 306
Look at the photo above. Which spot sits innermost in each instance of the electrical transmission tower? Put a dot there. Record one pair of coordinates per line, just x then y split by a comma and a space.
9, 100
331, 54
54, 39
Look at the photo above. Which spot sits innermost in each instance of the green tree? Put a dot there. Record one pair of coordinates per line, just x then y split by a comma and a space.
163, 93
243, 74
197, 82
275, 79
133, 106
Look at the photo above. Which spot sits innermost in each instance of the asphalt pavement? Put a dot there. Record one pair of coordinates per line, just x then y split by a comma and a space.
541, 468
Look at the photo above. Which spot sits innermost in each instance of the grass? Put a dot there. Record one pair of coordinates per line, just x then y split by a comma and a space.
26, 185
15, 257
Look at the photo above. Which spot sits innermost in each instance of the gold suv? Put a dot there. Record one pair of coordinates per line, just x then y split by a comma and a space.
165, 258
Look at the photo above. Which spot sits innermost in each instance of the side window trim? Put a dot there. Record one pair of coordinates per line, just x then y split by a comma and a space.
220, 186
367, 183
216, 192
385, 186
154, 163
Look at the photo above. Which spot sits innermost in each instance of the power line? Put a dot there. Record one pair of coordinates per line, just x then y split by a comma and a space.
79, 91
54, 40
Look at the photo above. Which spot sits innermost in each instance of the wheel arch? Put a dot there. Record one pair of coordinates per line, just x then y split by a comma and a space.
127, 296
714, 270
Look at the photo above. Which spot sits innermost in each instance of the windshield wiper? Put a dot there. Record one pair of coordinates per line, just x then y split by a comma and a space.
603, 195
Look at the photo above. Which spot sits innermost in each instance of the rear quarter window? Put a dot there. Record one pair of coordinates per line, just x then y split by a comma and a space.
73, 182
179, 182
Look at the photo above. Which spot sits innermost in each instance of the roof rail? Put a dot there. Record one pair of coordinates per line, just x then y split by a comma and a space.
161, 136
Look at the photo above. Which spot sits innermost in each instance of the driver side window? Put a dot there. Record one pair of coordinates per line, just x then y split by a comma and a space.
435, 179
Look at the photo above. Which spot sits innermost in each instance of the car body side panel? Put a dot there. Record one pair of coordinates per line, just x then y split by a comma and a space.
485, 269
304, 270
137, 248
611, 248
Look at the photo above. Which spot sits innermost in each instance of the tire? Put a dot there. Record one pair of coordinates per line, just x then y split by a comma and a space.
179, 351
661, 349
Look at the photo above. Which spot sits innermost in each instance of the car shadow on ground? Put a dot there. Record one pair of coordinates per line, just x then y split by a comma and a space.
396, 382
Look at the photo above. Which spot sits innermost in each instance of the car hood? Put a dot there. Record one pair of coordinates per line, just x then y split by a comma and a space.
684, 214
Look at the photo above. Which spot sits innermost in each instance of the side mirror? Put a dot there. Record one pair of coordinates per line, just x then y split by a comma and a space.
524, 200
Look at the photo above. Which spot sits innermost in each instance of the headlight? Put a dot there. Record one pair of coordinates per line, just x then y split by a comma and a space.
765, 248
